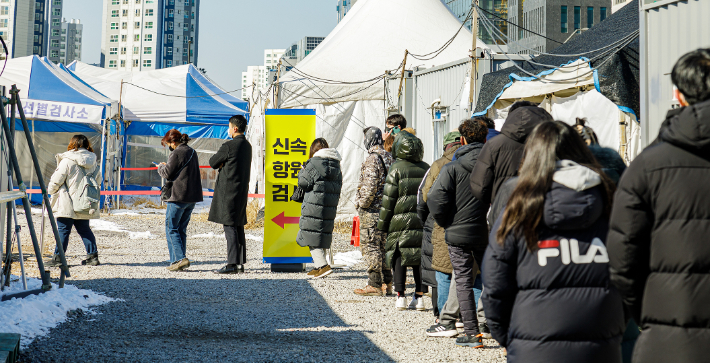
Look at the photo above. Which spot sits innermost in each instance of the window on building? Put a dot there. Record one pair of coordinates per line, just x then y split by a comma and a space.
114, 26
149, 37
184, 52
54, 54
137, 25
113, 39
112, 63
148, 12
148, 50
170, 25
136, 50
138, 12
112, 51
171, 13
137, 38
35, 50
125, 2
563, 19
169, 51
123, 50
115, 2
4, 10
56, 22
38, 17
590, 16
124, 12
168, 63
124, 25
149, 25
577, 17
123, 63
170, 38
147, 63
55, 32
124, 37
57, 2
114, 13
135, 62
55, 43
171, 2
602, 13
56, 12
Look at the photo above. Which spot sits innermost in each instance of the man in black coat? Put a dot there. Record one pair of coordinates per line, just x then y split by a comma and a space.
453, 207
229, 204
659, 255
500, 158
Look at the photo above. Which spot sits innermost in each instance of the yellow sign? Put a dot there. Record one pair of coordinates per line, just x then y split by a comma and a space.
289, 134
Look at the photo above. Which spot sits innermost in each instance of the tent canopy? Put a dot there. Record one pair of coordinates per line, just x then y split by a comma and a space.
616, 68
370, 40
172, 95
48, 93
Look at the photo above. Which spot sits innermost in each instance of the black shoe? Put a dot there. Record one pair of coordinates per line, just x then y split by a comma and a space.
469, 341
229, 269
485, 332
241, 268
54, 262
91, 260
441, 330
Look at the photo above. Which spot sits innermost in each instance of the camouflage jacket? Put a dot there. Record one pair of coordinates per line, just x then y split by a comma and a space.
371, 184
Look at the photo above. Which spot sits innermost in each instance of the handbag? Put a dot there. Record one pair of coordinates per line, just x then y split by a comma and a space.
166, 191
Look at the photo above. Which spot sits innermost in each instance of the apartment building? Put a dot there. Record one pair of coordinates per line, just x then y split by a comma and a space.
149, 34
71, 39
31, 27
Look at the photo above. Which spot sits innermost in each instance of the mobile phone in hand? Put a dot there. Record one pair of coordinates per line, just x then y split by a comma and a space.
156, 164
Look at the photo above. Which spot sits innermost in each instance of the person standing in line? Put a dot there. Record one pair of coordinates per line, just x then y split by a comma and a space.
393, 125
183, 189
500, 158
231, 192
659, 256
64, 186
548, 296
398, 217
464, 218
321, 180
435, 254
492, 132
368, 201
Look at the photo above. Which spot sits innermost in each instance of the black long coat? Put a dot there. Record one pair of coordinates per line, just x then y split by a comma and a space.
229, 205
658, 240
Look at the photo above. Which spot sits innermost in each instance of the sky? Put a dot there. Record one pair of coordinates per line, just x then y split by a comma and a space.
233, 33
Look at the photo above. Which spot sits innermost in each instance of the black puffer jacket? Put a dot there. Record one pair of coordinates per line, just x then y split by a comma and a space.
321, 180
398, 216
556, 304
500, 157
658, 240
453, 206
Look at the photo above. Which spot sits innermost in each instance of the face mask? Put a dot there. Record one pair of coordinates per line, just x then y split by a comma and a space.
170, 148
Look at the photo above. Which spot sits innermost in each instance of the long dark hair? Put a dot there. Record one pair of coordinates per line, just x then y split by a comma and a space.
318, 144
79, 141
174, 136
549, 142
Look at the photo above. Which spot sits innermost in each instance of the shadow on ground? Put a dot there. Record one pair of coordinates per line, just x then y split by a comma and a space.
205, 320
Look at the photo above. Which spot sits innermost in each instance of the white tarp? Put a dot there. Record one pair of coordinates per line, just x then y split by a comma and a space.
602, 115
576, 74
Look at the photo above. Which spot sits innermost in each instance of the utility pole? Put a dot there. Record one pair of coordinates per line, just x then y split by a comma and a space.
474, 60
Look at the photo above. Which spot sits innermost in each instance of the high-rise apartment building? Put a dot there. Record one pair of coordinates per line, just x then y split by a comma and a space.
299, 50
495, 10
557, 20
149, 34
259, 75
72, 32
343, 7
31, 27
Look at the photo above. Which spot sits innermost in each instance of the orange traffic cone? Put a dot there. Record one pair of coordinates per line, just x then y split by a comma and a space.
355, 236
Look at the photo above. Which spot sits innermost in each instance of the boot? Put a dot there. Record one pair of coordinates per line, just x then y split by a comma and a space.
387, 289
91, 260
54, 262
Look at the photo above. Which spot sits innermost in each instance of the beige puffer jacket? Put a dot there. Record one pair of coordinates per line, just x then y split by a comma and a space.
64, 183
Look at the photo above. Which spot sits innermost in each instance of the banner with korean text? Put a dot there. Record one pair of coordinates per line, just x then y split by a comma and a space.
289, 134
62, 111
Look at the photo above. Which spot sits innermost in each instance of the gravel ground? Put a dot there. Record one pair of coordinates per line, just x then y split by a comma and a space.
258, 316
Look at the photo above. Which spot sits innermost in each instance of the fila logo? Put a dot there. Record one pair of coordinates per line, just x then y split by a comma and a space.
570, 252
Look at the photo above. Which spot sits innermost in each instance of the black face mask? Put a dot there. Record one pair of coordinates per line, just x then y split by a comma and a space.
170, 148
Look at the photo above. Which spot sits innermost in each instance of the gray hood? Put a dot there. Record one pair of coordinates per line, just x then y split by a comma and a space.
373, 137
82, 157
575, 176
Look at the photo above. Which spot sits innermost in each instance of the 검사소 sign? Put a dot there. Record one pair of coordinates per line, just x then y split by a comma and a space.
289, 134
62, 111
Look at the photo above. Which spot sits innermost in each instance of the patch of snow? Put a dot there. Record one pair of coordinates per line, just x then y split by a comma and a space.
253, 237
348, 259
34, 315
141, 235
101, 225
208, 235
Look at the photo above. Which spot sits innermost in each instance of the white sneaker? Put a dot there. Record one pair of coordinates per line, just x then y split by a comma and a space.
417, 303
401, 303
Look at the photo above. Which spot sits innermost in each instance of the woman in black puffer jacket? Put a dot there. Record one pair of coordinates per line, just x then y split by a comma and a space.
548, 296
398, 216
321, 180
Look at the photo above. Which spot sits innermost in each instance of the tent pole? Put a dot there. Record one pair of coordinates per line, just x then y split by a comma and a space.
474, 60
401, 80
103, 158
32, 172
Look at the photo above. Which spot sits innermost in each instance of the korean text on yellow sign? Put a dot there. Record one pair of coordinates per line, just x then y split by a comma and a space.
289, 134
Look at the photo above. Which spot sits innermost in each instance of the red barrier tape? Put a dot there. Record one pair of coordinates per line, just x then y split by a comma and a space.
156, 168
139, 192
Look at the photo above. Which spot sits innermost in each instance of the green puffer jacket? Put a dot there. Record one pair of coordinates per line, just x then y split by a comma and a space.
398, 215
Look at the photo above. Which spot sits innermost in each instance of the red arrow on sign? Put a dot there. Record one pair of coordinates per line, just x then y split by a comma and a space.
281, 220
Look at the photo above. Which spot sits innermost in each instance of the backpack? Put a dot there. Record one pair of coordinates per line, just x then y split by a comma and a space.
88, 194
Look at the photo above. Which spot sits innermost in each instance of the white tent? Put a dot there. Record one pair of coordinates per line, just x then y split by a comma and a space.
343, 77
